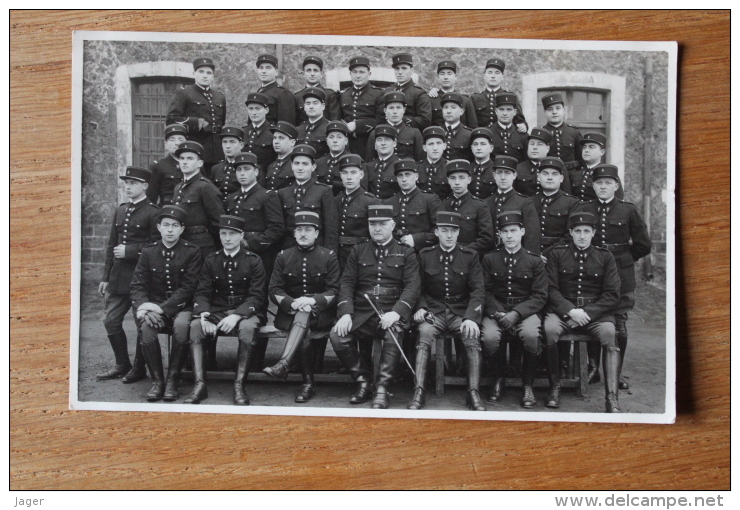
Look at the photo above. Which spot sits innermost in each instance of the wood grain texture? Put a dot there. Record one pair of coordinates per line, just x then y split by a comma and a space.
54, 448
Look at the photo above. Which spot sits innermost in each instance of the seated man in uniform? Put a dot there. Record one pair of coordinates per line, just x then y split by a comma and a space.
388, 273
304, 286
162, 291
228, 300
452, 296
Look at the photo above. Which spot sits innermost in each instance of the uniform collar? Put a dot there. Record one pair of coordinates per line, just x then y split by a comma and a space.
306, 250
233, 254
171, 247
486, 163
360, 89
553, 126
131, 202
405, 85
411, 193
354, 193
462, 197
576, 250
452, 251
505, 128
202, 88
555, 194
454, 128
249, 188
435, 164
506, 194
188, 180
515, 254
608, 203
306, 184
270, 85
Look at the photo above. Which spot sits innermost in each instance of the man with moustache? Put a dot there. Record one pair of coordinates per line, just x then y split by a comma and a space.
257, 134
359, 105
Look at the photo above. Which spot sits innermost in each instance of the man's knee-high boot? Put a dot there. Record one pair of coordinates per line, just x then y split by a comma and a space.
352, 361
564, 356
119, 345
138, 369
242, 364
389, 359
611, 377
200, 392
553, 371
621, 327
178, 355
318, 347
529, 366
422, 360
594, 360
474, 401
153, 357
296, 335
209, 344
498, 364
308, 390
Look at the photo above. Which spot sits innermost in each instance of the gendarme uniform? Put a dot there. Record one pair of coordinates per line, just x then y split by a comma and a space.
582, 183
223, 174
452, 290
433, 175
483, 182
418, 107
408, 139
280, 101
468, 117
506, 139
566, 139
359, 105
485, 102
331, 111
380, 172
327, 167
258, 139
166, 172
458, 136
554, 210
314, 133
527, 171
279, 174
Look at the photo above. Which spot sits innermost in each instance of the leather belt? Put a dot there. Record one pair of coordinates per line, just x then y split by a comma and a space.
195, 230
582, 301
168, 294
377, 290
616, 248
453, 300
352, 240
214, 129
511, 300
236, 300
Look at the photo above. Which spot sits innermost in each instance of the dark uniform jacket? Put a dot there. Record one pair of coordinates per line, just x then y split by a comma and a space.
314, 135
415, 213
279, 174
513, 201
527, 182
376, 271
482, 180
457, 284
192, 103
409, 143
418, 105
258, 141
167, 277
360, 106
327, 172
433, 177
468, 117
353, 228
382, 178
507, 141
223, 176
621, 230
263, 213
514, 282
458, 143
331, 109
202, 201
553, 212
228, 283
298, 272
565, 144
476, 225
485, 108
582, 184
166, 175
315, 197
134, 225
594, 280
280, 103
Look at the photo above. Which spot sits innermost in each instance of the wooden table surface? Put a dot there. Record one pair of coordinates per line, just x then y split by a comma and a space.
52, 447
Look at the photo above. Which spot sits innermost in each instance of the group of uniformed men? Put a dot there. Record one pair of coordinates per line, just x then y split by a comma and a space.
461, 223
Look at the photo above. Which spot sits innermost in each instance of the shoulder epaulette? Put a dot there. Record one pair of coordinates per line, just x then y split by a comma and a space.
322, 184
601, 248
625, 202
368, 194
560, 247
531, 253
155, 243
153, 205
588, 201
212, 255
466, 249
428, 248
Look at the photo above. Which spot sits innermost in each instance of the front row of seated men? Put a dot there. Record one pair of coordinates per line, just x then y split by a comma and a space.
385, 288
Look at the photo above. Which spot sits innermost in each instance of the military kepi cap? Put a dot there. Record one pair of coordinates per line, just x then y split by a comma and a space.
385, 130
452, 97
541, 134
434, 132
137, 174
307, 218
175, 129
497, 63
286, 128
190, 147
551, 99
174, 212
505, 98
352, 160
505, 162
379, 212
337, 125
553, 162
394, 97
603, 171
481, 133
246, 158
597, 138
267, 59
203, 62
359, 61
581, 218
303, 150
232, 222
314, 92
458, 165
509, 218
402, 58
256, 98
447, 64
448, 219
405, 165
231, 131
311, 59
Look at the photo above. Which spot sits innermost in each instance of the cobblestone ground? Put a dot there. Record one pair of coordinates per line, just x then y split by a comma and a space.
645, 370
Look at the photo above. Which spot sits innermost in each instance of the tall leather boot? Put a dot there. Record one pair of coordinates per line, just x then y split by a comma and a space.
498, 363
178, 354
200, 392
529, 366
210, 353
594, 360
120, 350
153, 357
318, 347
308, 390
611, 379
138, 369
422, 359
459, 358
389, 359
353, 362
296, 335
564, 355
474, 401
621, 327
242, 363
553, 371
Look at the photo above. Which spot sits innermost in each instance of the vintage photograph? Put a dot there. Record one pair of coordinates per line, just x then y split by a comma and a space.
374, 226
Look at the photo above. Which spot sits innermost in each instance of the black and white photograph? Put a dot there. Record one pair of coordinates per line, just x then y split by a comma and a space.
379, 227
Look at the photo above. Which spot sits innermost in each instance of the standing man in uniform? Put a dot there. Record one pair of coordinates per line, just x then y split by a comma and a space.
433, 168
485, 102
380, 172
280, 102
506, 139
229, 296
483, 183
304, 287
166, 172
516, 294
313, 70
593, 148
257, 134
418, 106
538, 146
447, 77
359, 105
621, 230
223, 174
133, 227
566, 139
313, 130
327, 167
162, 291
553, 206
388, 272
583, 294
408, 139
451, 302
202, 110
307, 194
352, 205
279, 174
457, 136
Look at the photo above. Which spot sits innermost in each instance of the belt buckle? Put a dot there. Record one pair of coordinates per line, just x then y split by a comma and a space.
579, 301
376, 290
231, 300
168, 294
